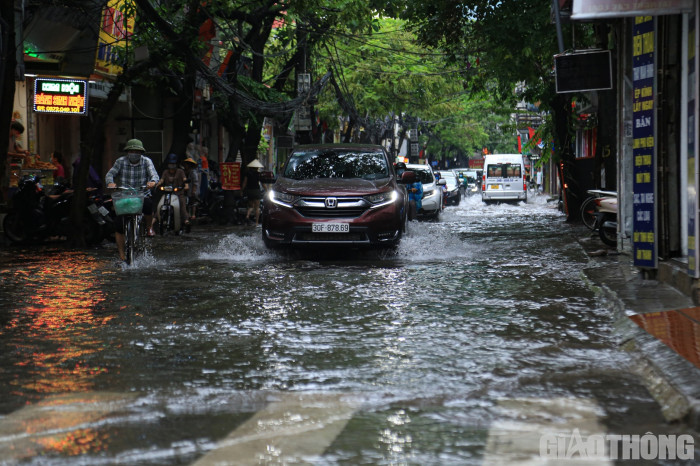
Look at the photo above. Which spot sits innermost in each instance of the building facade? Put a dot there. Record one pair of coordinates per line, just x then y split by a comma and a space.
656, 88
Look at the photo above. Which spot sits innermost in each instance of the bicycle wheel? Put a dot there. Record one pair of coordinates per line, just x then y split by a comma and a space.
139, 236
588, 213
129, 239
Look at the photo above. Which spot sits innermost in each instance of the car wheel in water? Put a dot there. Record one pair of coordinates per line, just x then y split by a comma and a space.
269, 244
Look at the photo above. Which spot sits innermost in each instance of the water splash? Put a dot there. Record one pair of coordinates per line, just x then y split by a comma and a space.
238, 248
143, 261
426, 241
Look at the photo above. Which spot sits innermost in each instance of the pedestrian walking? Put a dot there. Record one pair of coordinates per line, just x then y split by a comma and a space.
251, 188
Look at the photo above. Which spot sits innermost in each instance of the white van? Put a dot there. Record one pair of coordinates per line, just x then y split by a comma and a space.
504, 178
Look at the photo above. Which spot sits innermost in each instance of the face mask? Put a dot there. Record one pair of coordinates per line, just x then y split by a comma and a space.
172, 166
134, 157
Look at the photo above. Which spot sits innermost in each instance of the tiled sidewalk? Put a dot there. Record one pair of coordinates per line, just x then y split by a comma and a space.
658, 324
677, 329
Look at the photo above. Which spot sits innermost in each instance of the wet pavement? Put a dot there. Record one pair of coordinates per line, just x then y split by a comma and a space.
464, 346
658, 325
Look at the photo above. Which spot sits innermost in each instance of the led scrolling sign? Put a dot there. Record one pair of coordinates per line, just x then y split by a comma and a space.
68, 96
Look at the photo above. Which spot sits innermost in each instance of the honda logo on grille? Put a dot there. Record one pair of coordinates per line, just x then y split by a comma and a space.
331, 202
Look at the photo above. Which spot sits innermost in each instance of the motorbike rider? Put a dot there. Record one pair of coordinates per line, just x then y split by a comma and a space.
415, 191
175, 176
134, 170
399, 168
415, 194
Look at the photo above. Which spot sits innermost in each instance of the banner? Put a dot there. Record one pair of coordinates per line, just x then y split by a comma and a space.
692, 174
230, 176
644, 240
115, 30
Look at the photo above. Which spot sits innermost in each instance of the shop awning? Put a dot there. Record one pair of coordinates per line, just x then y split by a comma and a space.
598, 9
60, 41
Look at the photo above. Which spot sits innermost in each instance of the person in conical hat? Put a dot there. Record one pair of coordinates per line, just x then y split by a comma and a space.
251, 189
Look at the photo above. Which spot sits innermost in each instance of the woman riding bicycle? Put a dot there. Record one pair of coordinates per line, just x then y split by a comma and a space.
133, 170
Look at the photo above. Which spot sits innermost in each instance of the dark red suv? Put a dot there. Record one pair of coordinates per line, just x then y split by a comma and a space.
335, 195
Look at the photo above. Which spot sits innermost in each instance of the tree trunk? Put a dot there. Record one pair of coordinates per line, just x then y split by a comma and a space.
183, 116
8, 63
91, 149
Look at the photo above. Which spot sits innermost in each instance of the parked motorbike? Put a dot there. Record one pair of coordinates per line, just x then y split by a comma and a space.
100, 209
168, 211
606, 219
220, 210
37, 214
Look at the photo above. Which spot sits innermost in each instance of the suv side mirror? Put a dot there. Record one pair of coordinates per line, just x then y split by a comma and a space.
408, 177
442, 182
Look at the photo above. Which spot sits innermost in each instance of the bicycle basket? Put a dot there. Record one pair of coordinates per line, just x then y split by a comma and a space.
127, 203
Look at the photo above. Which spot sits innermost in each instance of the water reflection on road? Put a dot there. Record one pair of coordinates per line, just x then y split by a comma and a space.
406, 356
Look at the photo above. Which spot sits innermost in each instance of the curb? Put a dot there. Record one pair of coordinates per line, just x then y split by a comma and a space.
670, 379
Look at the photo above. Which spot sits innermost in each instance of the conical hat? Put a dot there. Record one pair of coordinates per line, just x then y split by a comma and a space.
255, 164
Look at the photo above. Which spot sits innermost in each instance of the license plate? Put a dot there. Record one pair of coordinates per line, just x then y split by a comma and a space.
330, 227
495, 186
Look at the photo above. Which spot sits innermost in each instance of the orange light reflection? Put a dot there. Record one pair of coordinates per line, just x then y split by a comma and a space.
58, 329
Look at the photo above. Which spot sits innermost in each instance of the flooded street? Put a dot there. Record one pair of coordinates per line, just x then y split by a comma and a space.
480, 329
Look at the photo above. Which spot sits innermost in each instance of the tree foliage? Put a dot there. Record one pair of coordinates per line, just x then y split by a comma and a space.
387, 72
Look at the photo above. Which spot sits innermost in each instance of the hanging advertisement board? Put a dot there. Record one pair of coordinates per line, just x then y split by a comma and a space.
597, 9
583, 71
644, 226
67, 96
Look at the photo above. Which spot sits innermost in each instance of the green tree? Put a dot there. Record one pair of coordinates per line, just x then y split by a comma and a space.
507, 49
386, 73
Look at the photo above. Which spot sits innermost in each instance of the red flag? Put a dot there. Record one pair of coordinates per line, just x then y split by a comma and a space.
532, 131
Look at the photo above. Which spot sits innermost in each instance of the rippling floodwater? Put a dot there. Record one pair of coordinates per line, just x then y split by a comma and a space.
159, 363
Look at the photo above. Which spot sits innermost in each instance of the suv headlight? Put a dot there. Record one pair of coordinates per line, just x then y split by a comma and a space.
428, 193
382, 199
280, 198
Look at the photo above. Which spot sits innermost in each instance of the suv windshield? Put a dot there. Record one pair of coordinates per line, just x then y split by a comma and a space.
337, 163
